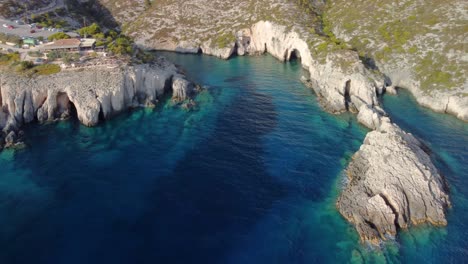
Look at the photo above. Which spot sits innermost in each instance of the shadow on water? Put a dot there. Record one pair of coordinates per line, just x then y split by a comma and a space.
219, 197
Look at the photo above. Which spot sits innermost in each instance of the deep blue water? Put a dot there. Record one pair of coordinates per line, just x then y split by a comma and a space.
249, 176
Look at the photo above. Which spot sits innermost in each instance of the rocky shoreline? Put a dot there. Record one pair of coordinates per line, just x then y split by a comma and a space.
94, 94
393, 183
275, 39
341, 80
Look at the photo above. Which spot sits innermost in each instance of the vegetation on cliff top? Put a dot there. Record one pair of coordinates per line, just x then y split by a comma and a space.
424, 37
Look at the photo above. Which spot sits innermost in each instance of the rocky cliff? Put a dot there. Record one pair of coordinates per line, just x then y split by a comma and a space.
392, 182
340, 79
415, 44
95, 93
419, 45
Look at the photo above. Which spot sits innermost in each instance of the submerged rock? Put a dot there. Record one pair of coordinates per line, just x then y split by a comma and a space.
10, 139
13, 140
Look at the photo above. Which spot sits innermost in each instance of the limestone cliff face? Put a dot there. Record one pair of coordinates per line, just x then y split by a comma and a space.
453, 101
418, 45
392, 182
341, 81
94, 93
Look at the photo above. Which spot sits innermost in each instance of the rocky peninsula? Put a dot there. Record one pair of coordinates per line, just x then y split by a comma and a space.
94, 93
392, 183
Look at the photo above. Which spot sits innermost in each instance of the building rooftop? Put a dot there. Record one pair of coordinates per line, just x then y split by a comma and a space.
87, 42
64, 44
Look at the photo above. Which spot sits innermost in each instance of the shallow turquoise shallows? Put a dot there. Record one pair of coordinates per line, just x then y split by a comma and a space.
251, 175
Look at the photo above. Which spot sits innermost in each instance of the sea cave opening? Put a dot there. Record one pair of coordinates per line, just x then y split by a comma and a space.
65, 107
295, 55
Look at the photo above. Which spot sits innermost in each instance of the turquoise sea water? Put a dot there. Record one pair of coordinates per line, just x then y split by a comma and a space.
249, 176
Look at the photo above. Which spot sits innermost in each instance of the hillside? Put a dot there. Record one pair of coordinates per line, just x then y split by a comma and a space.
420, 45
168, 24
416, 45
412, 44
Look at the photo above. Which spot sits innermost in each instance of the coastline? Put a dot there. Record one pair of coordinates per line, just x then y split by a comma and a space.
342, 82
91, 94
268, 37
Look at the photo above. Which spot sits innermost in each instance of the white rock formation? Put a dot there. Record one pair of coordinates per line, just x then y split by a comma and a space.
370, 117
181, 88
392, 182
342, 81
220, 52
94, 93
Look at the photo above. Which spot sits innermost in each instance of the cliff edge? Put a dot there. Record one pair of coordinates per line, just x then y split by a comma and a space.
412, 44
95, 93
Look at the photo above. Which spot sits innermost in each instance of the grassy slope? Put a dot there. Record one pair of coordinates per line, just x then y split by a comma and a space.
197, 21
426, 37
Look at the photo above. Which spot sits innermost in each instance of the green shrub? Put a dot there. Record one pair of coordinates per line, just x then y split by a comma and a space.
46, 69
6, 59
123, 45
58, 35
24, 65
90, 30
222, 41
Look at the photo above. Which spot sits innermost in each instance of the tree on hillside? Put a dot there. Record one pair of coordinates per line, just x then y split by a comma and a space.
89, 30
58, 35
123, 45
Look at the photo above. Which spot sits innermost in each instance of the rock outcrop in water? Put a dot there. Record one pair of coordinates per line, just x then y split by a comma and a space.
96, 93
392, 182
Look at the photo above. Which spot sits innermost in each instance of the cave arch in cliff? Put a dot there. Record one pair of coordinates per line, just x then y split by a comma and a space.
65, 107
295, 55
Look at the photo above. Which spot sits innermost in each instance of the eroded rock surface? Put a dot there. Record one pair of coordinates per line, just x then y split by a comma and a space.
419, 45
96, 93
392, 183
